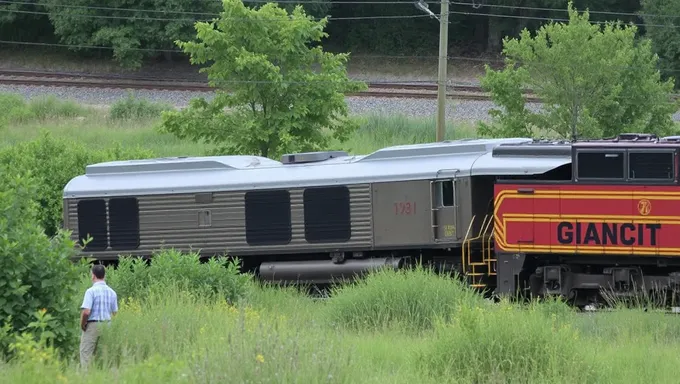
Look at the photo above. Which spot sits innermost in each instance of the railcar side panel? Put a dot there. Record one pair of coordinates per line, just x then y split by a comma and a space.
402, 213
216, 223
588, 219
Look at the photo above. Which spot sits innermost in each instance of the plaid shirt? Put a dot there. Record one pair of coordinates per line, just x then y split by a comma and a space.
101, 300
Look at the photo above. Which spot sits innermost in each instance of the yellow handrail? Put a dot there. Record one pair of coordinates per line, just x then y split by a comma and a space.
465, 239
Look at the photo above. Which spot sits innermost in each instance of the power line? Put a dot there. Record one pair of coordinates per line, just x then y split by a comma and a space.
555, 19
409, 3
132, 18
330, 18
402, 57
481, 5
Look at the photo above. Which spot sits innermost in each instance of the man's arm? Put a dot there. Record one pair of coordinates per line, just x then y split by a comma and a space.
84, 314
85, 309
114, 305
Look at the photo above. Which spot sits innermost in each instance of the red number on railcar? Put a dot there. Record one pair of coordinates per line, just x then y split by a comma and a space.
405, 208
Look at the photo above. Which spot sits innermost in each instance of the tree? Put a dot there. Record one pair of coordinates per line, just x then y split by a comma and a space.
36, 271
663, 28
593, 81
135, 30
278, 103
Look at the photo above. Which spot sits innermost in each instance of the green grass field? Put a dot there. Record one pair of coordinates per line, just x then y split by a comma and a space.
95, 127
406, 327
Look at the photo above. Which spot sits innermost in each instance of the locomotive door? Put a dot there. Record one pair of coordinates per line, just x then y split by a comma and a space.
445, 210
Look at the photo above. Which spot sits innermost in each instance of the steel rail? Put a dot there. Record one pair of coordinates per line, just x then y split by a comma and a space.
87, 80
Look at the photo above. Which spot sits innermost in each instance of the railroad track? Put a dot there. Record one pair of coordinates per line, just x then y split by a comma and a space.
86, 80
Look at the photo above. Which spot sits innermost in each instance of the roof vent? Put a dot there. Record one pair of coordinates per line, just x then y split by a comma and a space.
311, 157
637, 136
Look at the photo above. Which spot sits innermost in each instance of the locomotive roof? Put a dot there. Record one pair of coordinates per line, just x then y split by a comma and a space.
405, 162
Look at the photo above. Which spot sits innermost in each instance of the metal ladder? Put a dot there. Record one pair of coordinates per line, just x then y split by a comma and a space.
479, 265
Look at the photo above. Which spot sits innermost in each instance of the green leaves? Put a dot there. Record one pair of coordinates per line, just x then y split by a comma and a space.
136, 31
275, 93
36, 273
663, 28
220, 276
593, 81
52, 163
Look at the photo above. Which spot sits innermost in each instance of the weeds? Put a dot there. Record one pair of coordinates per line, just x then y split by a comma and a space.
134, 278
135, 108
15, 109
406, 299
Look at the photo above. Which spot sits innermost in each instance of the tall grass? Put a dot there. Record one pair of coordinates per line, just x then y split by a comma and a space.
132, 121
409, 299
14, 109
134, 108
380, 130
278, 335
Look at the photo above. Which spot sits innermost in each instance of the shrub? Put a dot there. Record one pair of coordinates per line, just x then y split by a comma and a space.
412, 298
506, 342
35, 271
53, 162
134, 278
133, 108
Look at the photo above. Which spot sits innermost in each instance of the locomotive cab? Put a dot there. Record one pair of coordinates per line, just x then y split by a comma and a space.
611, 230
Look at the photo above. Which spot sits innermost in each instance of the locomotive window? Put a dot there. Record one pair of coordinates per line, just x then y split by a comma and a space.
268, 217
327, 214
92, 222
651, 165
600, 165
124, 223
445, 191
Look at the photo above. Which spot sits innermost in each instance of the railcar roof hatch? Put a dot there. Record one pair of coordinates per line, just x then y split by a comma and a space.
175, 164
443, 148
311, 157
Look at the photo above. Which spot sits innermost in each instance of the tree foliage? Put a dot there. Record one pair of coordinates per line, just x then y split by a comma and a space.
275, 91
36, 272
663, 28
135, 30
593, 80
53, 162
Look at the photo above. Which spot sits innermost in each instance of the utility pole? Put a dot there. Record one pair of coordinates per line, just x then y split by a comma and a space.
443, 55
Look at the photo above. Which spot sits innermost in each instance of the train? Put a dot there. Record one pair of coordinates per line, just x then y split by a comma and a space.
511, 216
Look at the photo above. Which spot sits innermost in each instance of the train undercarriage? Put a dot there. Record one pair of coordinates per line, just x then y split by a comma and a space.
582, 280
591, 280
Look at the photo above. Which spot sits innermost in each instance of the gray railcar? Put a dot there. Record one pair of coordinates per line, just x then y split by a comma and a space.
311, 216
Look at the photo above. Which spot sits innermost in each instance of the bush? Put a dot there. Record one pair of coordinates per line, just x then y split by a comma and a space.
37, 277
134, 278
503, 344
413, 299
134, 108
54, 162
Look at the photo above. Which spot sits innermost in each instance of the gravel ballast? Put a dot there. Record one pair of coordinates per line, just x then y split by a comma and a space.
457, 110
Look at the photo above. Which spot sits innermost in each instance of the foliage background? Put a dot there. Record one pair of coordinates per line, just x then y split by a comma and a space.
133, 37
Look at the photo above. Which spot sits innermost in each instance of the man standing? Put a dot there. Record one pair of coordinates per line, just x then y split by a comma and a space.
99, 305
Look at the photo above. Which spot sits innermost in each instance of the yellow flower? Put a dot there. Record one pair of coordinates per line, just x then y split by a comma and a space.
259, 358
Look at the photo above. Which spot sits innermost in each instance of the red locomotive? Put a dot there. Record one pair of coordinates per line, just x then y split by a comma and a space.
613, 223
